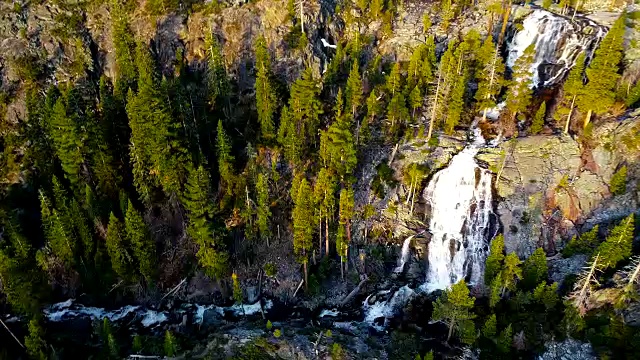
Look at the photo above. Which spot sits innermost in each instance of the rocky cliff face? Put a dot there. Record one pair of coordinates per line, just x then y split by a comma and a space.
551, 187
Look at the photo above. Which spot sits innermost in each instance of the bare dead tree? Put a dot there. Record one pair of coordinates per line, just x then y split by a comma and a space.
584, 287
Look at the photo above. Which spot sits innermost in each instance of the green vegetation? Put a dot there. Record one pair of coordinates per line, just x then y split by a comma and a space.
128, 169
618, 183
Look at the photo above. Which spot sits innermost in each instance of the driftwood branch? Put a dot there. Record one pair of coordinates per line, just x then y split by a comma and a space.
298, 288
353, 292
143, 357
175, 289
10, 332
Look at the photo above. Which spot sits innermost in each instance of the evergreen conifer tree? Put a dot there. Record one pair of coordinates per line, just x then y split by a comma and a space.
519, 94
454, 307
572, 88
346, 214
304, 109
444, 77
493, 264
116, 247
534, 270
538, 120
143, 245
603, 71
511, 272
34, 342
170, 347
302, 224
225, 160
617, 246
266, 99
489, 75
263, 205
353, 90
124, 46
324, 198
67, 141
218, 85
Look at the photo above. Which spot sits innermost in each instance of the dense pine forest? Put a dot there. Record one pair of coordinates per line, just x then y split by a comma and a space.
161, 153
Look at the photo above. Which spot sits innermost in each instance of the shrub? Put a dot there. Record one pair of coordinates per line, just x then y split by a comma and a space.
269, 325
277, 333
270, 269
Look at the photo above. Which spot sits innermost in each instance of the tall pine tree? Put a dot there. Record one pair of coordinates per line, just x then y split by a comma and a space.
266, 99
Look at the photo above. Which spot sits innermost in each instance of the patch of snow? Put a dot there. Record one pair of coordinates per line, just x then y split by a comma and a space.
326, 44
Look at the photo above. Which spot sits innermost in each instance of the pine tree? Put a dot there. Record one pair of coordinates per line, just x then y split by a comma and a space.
603, 71
546, 295
586, 243
67, 141
143, 245
373, 110
511, 272
538, 120
266, 99
505, 339
225, 160
304, 109
263, 205
237, 290
444, 77
346, 214
534, 270
618, 183
34, 342
324, 198
519, 94
375, 9
302, 229
415, 99
495, 290
489, 75
170, 347
454, 307
489, 329
572, 90
394, 80
116, 247
338, 149
218, 86
58, 231
617, 246
353, 90
397, 114
157, 155
456, 103
494, 261
288, 137
124, 47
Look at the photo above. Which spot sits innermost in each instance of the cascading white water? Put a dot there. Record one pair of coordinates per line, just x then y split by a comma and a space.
404, 254
461, 207
558, 41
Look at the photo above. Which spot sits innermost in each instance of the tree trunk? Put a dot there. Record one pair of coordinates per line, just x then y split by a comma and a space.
342, 267
566, 125
451, 324
306, 278
320, 235
505, 21
302, 26
413, 198
587, 119
326, 234
434, 108
346, 267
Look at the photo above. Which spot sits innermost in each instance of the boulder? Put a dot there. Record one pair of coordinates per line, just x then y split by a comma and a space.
569, 349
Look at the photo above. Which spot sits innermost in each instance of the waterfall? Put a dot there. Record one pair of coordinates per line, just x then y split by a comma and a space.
461, 208
558, 41
404, 255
